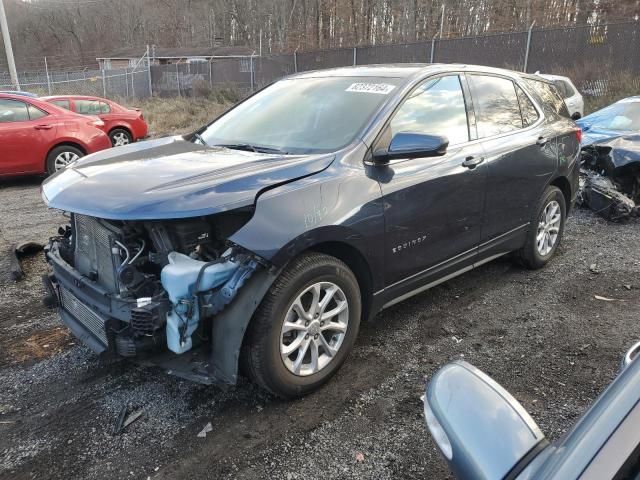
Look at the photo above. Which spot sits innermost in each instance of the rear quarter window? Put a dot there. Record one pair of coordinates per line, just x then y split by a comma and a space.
548, 97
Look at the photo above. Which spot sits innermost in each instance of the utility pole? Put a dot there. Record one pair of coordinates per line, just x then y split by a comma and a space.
7, 47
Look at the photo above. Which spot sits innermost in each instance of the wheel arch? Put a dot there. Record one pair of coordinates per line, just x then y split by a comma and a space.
565, 187
121, 127
63, 143
356, 262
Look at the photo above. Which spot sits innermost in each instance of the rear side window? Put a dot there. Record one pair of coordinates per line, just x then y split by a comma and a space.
104, 107
564, 88
436, 107
35, 113
13, 111
529, 113
62, 103
496, 105
548, 97
87, 107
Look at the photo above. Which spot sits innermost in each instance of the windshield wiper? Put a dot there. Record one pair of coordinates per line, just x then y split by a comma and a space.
251, 148
198, 137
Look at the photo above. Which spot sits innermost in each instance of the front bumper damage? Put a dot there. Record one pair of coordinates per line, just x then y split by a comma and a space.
109, 323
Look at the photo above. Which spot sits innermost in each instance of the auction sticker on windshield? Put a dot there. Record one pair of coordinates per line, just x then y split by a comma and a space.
379, 88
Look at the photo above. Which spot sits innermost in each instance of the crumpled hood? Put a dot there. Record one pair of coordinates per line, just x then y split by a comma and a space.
621, 151
596, 135
171, 178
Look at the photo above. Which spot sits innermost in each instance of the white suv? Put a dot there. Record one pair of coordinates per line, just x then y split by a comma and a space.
569, 92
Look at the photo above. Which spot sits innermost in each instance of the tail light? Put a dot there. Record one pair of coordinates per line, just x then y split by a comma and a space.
579, 135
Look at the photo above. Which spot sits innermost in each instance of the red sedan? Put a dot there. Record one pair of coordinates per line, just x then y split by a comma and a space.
38, 137
123, 125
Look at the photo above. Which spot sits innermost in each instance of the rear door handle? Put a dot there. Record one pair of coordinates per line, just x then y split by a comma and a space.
43, 127
542, 141
472, 162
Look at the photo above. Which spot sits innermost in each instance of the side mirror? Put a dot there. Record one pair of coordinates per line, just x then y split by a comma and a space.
406, 145
482, 431
630, 356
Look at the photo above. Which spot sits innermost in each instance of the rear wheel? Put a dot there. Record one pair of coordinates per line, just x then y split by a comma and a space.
545, 229
62, 156
119, 137
305, 326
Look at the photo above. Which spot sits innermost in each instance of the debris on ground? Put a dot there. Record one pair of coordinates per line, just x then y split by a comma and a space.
124, 421
359, 457
16, 252
610, 177
607, 299
207, 428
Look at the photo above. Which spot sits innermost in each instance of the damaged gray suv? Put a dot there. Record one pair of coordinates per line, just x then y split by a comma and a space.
260, 242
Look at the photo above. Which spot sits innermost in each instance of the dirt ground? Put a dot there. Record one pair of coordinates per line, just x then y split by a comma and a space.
542, 334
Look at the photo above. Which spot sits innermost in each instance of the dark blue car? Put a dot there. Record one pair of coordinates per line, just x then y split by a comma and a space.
263, 239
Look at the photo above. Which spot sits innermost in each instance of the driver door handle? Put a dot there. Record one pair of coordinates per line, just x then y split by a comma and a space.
43, 127
542, 141
472, 162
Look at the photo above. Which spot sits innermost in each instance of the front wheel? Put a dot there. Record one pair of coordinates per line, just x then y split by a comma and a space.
545, 229
305, 326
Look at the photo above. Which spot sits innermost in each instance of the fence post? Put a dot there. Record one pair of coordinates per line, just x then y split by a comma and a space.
68, 81
526, 53
178, 79
46, 69
433, 47
355, 56
251, 72
133, 89
211, 72
149, 73
295, 61
126, 80
104, 83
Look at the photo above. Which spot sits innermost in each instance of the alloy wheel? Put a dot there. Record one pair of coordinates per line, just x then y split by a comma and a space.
314, 328
548, 228
120, 139
63, 159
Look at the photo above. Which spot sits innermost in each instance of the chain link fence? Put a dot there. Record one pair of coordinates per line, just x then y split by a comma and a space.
593, 56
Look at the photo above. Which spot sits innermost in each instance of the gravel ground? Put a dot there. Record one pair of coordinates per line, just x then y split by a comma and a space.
543, 335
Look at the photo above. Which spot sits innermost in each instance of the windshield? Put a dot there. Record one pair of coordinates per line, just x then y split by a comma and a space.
304, 115
624, 116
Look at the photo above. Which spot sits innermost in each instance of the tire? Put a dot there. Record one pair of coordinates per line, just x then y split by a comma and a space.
263, 359
119, 137
61, 156
532, 254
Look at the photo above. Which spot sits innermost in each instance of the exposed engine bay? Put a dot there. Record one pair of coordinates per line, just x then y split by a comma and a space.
145, 286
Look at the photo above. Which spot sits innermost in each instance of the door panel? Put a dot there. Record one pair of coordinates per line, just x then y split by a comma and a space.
521, 156
433, 213
433, 205
24, 142
518, 170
